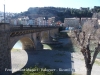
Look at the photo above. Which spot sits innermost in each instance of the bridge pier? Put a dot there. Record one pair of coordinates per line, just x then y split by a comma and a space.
5, 53
37, 41
47, 36
53, 33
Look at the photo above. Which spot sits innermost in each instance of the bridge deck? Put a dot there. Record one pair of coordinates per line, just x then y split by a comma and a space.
16, 30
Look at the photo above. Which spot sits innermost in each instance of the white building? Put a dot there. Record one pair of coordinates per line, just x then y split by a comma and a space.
31, 22
13, 21
23, 20
40, 21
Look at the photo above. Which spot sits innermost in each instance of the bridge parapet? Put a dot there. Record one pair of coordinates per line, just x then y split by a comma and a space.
18, 27
26, 29
4, 27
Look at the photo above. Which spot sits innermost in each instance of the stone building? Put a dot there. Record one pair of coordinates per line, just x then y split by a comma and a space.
84, 8
75, 22
93, 20
71, 22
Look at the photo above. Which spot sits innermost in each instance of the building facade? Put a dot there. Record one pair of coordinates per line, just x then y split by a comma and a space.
71, 22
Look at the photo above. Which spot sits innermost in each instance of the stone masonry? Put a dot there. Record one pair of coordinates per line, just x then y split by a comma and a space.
5, 54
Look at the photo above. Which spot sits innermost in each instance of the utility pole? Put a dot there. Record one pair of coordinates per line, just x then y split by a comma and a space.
4, 14
4, 11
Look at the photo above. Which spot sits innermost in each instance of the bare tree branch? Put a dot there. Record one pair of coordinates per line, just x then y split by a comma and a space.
97, 50
84, 40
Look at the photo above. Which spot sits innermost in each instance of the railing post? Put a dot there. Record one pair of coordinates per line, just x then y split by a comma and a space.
30, 26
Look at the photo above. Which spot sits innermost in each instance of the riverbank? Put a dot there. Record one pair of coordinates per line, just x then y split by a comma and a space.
63, 57
52, 59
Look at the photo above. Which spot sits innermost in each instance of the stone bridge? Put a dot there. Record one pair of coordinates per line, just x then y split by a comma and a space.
31, 37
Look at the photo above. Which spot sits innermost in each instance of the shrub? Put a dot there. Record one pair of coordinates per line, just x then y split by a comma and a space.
37, 71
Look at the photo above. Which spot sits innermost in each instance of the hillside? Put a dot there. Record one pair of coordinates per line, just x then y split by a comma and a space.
58, 12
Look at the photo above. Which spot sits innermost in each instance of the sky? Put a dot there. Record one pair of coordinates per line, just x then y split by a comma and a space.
18, 6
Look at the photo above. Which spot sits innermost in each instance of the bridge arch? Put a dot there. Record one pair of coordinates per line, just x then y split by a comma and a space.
27, 43
21, 56
26, 40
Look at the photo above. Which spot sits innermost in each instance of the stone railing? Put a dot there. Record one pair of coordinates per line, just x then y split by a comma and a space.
25, 27
7, 27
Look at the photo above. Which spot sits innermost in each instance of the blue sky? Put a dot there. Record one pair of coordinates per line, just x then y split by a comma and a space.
23, 5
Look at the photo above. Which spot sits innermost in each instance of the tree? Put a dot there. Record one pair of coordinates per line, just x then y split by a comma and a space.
89, 31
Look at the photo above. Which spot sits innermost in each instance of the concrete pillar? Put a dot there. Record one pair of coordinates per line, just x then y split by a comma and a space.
37, 41
5, 53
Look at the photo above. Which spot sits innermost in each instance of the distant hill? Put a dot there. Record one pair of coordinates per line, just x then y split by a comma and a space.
58, 12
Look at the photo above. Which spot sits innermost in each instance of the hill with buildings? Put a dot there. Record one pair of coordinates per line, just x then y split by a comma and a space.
57, 12
50, 15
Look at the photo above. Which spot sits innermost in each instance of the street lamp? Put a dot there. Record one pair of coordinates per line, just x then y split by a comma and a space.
44, 20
